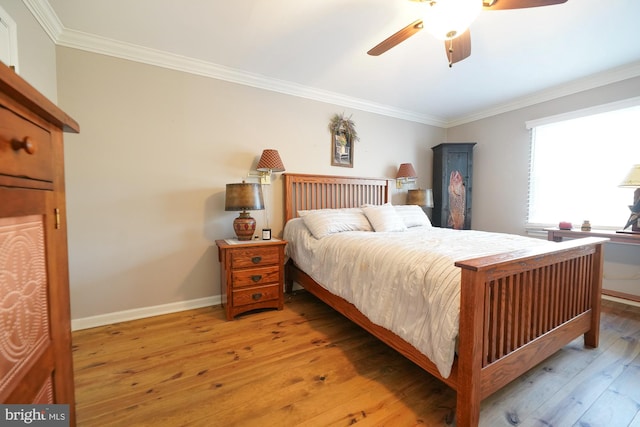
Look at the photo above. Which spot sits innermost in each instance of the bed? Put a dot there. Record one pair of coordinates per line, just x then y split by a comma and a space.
516, 308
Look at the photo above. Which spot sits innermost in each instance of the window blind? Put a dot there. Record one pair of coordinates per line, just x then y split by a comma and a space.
577, 161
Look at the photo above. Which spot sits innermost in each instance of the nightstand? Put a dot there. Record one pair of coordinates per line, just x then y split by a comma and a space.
251, 274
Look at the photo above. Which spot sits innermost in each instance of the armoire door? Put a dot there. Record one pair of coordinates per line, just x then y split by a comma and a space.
33, 364
452, 181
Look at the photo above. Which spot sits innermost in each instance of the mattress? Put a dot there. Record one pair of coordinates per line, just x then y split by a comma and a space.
403, 281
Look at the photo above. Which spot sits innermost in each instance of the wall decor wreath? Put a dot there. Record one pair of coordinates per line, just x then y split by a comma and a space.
343, 136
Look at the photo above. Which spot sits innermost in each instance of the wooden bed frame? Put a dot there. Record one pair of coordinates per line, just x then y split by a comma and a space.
516, 309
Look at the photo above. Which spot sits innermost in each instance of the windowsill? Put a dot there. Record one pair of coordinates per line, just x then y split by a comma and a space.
539, 231
624, 238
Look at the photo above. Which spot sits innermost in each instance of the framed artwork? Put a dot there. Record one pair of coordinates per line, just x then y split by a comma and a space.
341, 151
343, 136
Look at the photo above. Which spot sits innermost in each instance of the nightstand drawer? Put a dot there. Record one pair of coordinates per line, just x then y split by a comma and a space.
25, 149
251, 275
255, 276
249, 296
253, 257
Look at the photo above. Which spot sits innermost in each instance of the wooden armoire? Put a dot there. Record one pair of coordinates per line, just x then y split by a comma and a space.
35, 325
452, 176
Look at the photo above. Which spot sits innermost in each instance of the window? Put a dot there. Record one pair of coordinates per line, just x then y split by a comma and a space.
577, 162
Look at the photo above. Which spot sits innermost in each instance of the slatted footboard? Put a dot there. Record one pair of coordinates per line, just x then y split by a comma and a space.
517, 308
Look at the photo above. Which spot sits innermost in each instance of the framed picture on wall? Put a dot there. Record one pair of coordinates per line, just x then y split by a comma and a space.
341, 151
343, 136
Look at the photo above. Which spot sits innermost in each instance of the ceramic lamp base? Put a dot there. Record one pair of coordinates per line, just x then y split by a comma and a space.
244, 226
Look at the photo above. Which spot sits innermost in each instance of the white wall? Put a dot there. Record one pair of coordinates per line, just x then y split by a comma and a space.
36, 51
501, 156
500, 181
147, 173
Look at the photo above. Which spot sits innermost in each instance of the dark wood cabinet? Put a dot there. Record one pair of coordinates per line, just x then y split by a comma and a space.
35, 325
452, 173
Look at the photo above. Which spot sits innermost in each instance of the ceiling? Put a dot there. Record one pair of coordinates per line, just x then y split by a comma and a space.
318, 49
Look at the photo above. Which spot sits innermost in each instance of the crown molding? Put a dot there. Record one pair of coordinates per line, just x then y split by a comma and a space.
46, 16
105, 46
590, 82
583, 112
61, 36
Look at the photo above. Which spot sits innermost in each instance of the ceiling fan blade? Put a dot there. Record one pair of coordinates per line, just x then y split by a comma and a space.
458, 48
396, 38
517, 4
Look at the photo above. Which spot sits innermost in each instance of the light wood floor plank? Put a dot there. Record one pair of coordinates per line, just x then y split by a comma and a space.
567, 405
618, 405
308, 366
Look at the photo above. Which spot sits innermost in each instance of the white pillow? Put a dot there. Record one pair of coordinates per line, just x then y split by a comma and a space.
322, 222
413, 216
384, 218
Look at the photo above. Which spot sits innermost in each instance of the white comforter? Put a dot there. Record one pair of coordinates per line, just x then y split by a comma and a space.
403, 281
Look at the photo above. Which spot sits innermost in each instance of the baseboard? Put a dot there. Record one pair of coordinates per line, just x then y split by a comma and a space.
622, 300
140, 313
157, 310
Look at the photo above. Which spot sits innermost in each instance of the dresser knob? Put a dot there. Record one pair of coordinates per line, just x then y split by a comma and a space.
256, 259
26, 144
256, 297
256, 277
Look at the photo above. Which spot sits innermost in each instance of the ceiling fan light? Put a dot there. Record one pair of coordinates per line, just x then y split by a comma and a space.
448, 19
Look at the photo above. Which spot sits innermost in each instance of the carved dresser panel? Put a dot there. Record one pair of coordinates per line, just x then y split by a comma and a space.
35, 324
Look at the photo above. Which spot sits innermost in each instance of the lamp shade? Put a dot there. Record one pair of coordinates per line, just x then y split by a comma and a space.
633, 178
420, 197
243, 197
406, 170
270, 161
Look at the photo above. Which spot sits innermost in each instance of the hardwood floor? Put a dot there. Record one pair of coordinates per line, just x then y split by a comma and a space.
309, 366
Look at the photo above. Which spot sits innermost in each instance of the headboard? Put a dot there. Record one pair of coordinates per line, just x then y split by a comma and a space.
303, 191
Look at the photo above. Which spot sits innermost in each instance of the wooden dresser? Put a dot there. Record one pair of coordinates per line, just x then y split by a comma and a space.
35, 324
251, 275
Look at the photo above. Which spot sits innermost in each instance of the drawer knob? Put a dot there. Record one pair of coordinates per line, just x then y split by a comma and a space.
26, 144
256, 297
256, 259
256, 277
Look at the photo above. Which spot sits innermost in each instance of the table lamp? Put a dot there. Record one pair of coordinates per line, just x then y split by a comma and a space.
633, 180
420, 197
244, 197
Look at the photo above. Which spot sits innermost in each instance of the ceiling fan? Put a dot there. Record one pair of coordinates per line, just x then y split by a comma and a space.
449, 20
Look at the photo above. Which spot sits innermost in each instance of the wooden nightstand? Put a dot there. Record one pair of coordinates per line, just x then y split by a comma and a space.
251, 275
